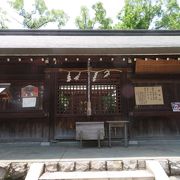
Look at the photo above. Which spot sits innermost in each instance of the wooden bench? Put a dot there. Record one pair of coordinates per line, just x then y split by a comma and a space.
90, 131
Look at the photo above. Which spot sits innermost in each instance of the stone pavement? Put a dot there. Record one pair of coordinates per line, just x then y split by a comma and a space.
71, 150
15, 158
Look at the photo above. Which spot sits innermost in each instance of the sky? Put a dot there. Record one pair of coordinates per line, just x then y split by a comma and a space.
71, 7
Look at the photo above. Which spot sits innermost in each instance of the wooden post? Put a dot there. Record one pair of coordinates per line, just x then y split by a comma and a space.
125, 135
81, 139
50, 88
89, 110
109, 134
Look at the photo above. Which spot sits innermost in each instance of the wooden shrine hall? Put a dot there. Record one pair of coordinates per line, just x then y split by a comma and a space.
49, 80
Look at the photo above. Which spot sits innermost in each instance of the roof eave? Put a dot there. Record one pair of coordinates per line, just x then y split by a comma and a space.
138, 32
89, 51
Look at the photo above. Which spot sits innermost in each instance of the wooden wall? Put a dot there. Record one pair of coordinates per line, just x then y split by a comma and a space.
156, 121
47, 123
17, 123
24, 129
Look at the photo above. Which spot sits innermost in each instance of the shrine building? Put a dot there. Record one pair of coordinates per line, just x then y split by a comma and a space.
51, 79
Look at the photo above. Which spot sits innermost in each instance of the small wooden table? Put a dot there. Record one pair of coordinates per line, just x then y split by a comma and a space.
116, 124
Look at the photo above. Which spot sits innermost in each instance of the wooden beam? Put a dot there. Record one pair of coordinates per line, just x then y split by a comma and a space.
22, 115
154, 114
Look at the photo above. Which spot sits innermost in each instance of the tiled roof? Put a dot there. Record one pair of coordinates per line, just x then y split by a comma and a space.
89, 44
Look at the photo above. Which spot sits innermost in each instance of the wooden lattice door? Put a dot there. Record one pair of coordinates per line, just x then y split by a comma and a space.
72, 101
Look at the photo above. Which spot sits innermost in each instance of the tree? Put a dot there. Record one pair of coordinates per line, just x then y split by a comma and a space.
138, 14
40, 16
100, 21
3, 19
83, 21
170, 16
100, 16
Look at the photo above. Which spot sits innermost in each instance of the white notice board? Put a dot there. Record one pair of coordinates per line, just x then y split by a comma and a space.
29, 102
149, 95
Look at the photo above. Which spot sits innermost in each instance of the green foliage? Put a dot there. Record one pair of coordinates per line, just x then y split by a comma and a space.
100, 20
17, 4
138, 14
3, 19
100, 17
40, 6
83, 21
109, 103
64, 102
40, 16
170, 16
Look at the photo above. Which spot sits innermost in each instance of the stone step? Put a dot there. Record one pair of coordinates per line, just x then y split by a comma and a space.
100, 175
174, 177
36, 169
156, 169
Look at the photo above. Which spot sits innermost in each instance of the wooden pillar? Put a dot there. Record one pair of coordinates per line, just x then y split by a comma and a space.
50, 102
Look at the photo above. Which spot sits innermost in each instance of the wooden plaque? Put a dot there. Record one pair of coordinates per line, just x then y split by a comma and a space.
157, 67
149, 95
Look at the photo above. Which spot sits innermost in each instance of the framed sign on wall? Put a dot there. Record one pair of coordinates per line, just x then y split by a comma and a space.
175, 106
149, 95
29, 96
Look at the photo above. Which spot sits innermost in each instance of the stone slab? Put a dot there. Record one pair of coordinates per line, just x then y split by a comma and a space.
51, 167
130, 164
174, 178
67, 166
35, 171
98, 165
174, 167
156, 169
3, 173
101, 175
82, 165
114, 165
165, 165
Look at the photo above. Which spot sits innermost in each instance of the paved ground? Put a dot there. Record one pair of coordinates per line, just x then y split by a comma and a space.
57, 151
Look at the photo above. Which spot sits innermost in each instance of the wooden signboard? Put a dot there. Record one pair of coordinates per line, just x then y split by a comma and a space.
157, 67
149, 95
29, 94
29, 91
